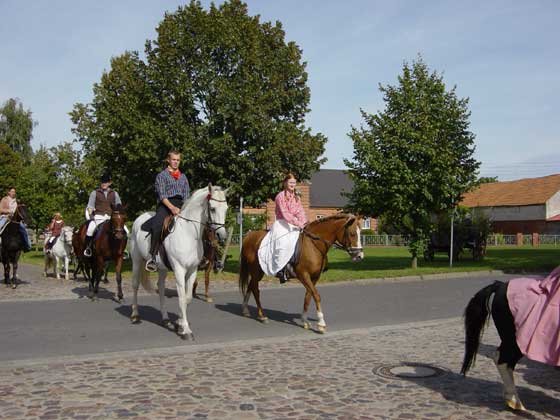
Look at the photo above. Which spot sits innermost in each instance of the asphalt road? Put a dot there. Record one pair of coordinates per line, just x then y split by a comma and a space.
37, 329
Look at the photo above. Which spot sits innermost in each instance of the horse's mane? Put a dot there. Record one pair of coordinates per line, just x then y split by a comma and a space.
329, 218
201, 191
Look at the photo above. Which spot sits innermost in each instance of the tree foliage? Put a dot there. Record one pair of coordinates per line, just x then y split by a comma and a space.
218, 85
415, 158
16, 128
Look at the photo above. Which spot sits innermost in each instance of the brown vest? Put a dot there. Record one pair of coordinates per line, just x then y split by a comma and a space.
102, 204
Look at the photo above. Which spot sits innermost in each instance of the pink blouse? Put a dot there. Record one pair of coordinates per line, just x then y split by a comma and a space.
289, 208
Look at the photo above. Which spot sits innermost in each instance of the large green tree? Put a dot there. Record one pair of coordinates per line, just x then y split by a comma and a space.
16, 127
220, 86
414, 159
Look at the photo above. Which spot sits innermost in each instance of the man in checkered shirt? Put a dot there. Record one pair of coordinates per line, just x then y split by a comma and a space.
172, 188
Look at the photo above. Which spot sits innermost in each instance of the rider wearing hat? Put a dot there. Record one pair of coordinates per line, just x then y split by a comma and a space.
172, 188
99, 209
8, 206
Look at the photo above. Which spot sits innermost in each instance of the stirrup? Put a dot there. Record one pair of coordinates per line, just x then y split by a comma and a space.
87, 252
126, 255
151, 266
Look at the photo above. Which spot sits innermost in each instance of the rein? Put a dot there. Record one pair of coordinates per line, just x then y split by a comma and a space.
209, 223
346, 246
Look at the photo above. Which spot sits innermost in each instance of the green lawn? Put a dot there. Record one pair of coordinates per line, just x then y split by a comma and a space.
395, 262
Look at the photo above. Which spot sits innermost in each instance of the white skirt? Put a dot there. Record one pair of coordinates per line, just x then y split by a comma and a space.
277, 247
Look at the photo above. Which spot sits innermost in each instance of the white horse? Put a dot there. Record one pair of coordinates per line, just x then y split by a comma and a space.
184, 250
62, 250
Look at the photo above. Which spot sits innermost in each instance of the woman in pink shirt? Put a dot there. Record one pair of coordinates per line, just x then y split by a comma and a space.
278, 246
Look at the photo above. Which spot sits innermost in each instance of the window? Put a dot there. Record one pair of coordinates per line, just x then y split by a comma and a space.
366, 223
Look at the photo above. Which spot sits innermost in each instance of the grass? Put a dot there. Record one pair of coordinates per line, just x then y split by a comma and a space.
395, 262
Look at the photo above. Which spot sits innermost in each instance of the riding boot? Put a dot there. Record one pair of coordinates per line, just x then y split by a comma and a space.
151, 265
88, 243
283, 275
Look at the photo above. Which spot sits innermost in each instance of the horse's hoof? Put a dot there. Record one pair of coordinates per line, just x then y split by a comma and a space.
44, 274
209, 299
135, 319
245, 312
515, 404
306, 325
187, 337
166, 323
321, 329
264, 320
14, 286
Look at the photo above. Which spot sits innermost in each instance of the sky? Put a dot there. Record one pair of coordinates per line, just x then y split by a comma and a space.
503, 55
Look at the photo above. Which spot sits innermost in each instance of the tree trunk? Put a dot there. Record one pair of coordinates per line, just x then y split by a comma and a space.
414, 262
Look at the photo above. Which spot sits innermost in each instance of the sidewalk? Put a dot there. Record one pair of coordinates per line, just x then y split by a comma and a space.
339, 375
33, 286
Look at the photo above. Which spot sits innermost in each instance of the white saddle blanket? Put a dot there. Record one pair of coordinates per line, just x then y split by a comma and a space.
277, 247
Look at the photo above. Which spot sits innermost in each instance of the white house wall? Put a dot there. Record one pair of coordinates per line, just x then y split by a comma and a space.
514, 213
553, 205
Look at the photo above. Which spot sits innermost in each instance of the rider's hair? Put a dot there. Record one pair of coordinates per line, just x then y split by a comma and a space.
173, 152
288, 176
11, 187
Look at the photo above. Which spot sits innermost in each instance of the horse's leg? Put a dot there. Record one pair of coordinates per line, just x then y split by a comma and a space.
309, 284
137, 267
184, 330
306, 302
66, 264
118, 275
46, 265
14, 269
207, 280
162, 274
56, 265
256, 276
106, 272
6, 270
508, 353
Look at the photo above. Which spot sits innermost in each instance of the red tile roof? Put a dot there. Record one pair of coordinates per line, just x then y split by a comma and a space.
522, 192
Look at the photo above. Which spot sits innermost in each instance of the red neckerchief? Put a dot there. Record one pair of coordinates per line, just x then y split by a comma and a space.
175, 174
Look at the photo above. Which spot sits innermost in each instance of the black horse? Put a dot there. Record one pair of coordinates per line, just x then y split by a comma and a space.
508, 353
13, 244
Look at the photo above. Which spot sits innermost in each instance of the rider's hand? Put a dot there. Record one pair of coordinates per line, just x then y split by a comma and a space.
175, 210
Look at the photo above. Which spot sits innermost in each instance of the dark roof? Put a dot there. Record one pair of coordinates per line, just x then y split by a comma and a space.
327, 186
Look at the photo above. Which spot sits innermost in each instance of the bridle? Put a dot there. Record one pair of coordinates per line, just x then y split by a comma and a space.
210, 224
117, 215
346, 245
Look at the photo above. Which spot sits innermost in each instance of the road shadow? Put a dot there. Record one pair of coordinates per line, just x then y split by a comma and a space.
476, 393
273, 315
148, 314
83, 292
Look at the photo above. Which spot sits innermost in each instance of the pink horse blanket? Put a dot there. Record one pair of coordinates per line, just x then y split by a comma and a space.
534, 303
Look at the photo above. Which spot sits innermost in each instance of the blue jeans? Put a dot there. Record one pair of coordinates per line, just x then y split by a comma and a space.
25, 237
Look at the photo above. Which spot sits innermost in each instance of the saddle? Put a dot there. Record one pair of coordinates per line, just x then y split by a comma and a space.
168, 224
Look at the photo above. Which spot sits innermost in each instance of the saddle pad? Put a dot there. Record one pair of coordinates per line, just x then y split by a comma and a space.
535, 306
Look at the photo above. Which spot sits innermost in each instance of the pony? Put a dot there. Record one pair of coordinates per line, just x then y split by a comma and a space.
13, 243
508, 353
62, 250
182, 250
341, 230
209, 263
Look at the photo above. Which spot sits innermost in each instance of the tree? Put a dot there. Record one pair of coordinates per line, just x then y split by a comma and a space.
10, 167
16, 128
218, 85
487, 180
414, 159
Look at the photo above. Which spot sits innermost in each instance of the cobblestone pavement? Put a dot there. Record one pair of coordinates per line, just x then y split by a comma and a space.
309, 377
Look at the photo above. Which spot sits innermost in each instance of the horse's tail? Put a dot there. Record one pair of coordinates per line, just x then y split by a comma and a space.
476, 316
243, 273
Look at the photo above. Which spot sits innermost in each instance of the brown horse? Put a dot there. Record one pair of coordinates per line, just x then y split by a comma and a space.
109, 243
341, 230
209, 242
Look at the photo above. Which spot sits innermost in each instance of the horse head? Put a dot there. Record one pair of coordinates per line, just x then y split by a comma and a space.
349, 238
217, 208
66, 234
21, 214
118, 220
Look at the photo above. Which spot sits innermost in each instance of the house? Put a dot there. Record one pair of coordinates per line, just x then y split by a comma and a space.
530, 205
321, 196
